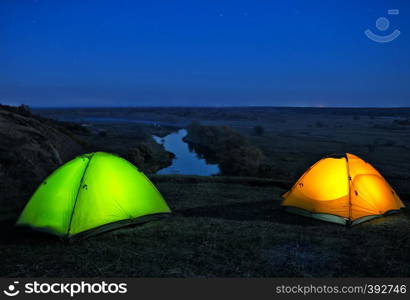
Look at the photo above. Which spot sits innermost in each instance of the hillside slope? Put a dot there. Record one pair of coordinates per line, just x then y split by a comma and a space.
30, 148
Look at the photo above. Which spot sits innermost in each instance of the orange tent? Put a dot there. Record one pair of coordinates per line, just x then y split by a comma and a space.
345, 190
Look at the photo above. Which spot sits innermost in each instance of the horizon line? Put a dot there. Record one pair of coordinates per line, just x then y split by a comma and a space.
208, 106
220, 106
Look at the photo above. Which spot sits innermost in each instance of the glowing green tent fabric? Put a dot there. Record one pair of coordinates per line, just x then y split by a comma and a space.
89, 192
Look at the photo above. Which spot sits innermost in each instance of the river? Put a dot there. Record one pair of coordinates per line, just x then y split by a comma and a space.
186, 162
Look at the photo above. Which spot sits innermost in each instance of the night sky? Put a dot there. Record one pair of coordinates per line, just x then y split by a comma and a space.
202, 53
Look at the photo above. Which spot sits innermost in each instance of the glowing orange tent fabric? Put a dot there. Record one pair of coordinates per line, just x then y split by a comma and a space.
345, 190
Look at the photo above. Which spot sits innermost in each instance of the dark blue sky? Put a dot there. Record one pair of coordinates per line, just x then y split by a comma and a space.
131, 53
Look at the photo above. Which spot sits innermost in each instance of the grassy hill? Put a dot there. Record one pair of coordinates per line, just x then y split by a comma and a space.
220, 227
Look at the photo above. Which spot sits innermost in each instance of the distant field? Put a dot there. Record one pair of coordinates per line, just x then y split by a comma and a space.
293, 138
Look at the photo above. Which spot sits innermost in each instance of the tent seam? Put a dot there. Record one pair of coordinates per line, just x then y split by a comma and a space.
349, 183
78, 192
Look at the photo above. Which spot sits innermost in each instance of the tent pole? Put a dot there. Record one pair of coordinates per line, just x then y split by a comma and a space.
349, 179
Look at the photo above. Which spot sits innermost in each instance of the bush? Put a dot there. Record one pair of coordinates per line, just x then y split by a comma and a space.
102, 133
216, 139
258, 130
227, 147
405, 122
319, 124
149, 157
24, 110
242, 161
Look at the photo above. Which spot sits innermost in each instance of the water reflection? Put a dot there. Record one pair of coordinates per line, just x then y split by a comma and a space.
186, 161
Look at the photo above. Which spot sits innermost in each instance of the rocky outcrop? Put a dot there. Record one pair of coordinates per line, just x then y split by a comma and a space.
30, 148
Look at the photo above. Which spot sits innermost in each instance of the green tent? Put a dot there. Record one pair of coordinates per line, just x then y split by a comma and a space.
92, 193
